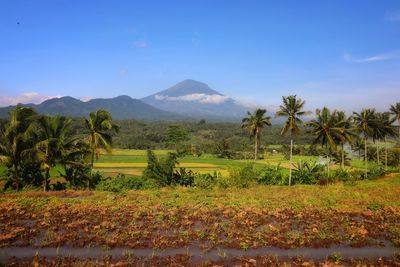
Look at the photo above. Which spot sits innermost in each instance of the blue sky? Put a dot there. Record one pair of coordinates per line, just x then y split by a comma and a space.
343, 54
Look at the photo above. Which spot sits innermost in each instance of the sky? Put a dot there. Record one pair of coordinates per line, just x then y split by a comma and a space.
336, 53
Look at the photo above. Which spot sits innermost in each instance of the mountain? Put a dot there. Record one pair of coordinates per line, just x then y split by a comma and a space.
197, 100
121, 107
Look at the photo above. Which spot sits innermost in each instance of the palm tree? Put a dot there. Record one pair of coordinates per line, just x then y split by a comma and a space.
52, 134
327, 130
347, 132
292, 108
100, 127
15, 142
365, 123
386, 130
357, 145
254, 123
395, 111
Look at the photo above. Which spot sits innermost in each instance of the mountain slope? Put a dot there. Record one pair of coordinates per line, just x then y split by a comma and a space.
121, 107
198, 100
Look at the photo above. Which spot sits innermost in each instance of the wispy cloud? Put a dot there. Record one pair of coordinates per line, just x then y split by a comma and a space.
392, 16
202, 98
25, 98
380, 57
86, 98
140, 44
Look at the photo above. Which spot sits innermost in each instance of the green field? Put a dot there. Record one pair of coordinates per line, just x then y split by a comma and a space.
133, 162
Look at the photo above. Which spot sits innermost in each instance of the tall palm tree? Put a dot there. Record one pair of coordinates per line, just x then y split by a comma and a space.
365, 123
395, 111
327, 130
52, 134
386, 130
100, 127
347, 132
15, 142
254, 123
292, 108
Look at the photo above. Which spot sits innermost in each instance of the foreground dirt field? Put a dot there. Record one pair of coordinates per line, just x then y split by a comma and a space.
263, 226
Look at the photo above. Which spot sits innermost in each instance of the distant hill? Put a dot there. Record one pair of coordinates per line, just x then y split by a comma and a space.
198, 100
121, 107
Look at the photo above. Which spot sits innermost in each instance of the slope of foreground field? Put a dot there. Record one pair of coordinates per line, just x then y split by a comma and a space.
261, 226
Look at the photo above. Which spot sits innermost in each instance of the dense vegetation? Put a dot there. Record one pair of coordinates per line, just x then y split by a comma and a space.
33, 146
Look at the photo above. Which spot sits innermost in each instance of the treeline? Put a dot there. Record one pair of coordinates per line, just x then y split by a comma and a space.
31, 145
154, 135
330, 128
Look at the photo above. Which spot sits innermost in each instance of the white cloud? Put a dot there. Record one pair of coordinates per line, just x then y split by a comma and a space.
140, 44
25, 98
202, 98
381, 57
86, 98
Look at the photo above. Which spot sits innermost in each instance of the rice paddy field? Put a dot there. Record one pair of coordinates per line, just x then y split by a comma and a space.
133, 162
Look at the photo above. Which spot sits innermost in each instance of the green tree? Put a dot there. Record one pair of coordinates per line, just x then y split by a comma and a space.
100, 126
384, 130
292, 108
254, 123
347, 134
15, 142
51, 135
160, 170
365, 123
176, 134
395, 111
327, 131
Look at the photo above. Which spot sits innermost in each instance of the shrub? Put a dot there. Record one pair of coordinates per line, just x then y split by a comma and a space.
183, 177
343, 175
78, 176
205, 181
376, 172
307, 172
223, 181
121, 183
159, 170
242, 177
270, 175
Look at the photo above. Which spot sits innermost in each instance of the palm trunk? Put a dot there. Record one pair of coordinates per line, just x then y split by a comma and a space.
377, 154
16, 177
291, 163
365, 157
342, 165
386, 155
46, 179
91, 169
255, 146
327, 164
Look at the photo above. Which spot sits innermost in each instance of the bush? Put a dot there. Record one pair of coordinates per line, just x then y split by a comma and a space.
205, 181
271, 175
242, 177
160, 170
183, 177
78, 176
121, 183
343, 175
307, 172
376, 172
